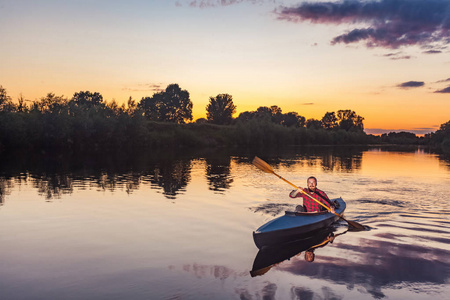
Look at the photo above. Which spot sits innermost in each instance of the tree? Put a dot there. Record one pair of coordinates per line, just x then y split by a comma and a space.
201, 121
87, 99
264, 112
348, 119
277, 115
171, 105
400, 138
441, 136
6, 103
329, 120
131, 107
22, 107
445, 127
220, 109
245, 116
293, 119
313, 124
3, 96
150, 107
51, 104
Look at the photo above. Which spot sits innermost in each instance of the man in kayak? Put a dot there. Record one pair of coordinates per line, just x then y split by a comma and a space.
310, 205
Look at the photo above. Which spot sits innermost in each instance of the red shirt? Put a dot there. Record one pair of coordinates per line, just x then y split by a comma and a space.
311, 205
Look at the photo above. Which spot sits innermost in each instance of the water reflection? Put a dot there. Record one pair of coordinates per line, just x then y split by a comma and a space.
170, 171
375, 265
341, 159
112, 248
3, 190
267, 257
330, 159
172, 177
53, 185
380, 264
52, 176
218, 173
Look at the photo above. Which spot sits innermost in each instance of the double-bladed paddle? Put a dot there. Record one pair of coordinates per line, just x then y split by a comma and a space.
263, 166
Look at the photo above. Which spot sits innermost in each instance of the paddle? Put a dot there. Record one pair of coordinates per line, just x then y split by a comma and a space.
263, 166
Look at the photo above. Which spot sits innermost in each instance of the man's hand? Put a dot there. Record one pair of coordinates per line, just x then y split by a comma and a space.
332, 210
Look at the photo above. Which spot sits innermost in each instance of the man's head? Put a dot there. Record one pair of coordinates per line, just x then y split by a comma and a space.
309, 255
312, 183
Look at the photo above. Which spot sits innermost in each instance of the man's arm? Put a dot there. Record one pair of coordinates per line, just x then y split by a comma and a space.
295, 193
327, 200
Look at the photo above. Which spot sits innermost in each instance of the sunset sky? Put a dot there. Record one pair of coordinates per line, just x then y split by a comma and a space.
388, 60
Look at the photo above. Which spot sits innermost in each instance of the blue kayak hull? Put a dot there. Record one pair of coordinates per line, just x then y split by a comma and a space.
293, 226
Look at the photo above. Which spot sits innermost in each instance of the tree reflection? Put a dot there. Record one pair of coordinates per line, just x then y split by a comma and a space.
218, 173
342, 159
171, 176
334, 159
3, 190
170, 170
53, 185
330, 158
54, 175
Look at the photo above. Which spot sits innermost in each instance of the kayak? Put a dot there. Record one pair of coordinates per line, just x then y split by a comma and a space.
295, 225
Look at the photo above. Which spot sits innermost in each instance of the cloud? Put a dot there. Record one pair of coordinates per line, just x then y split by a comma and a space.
385, 23
308, 103
152, 87
432, 52
444, 91
411, 84
444, 80
397, 56
217, 3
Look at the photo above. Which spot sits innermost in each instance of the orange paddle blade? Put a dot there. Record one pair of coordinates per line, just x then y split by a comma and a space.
262, 165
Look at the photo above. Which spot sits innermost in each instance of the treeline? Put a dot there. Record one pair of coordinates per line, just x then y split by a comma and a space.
87, 122
441, 137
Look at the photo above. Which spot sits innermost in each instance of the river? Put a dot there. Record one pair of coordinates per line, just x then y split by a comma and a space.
178, 225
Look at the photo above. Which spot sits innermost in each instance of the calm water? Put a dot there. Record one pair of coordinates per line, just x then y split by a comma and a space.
179, 226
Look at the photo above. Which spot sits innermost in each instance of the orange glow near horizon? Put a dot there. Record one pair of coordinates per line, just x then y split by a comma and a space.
389, 116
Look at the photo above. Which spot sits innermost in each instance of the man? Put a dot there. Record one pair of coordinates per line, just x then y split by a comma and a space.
309, 205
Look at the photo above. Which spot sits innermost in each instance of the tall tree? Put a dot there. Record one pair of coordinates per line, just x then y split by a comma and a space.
349, 120
329, 120
220, 109
171, 105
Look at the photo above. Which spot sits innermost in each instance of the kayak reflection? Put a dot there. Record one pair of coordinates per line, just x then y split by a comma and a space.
269, 256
